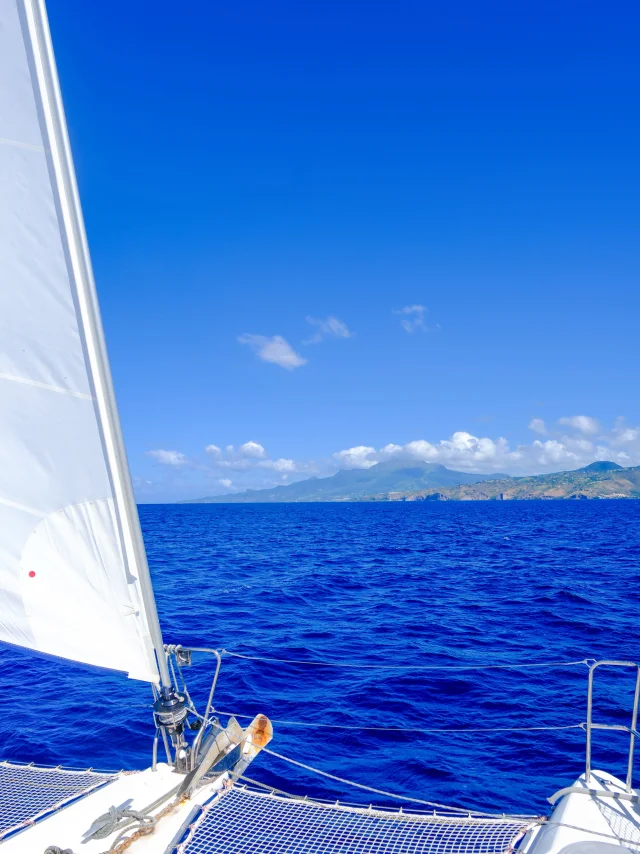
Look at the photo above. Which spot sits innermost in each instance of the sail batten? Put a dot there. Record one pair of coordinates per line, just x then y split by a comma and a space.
19, 144
48, 386
74, 580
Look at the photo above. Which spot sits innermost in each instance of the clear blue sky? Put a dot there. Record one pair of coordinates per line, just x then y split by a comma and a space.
246, 165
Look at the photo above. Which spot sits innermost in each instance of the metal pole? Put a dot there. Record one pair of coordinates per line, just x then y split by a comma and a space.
166, 746
590, 724
154, 758
632, 737
587, 770
91, 329
205, 720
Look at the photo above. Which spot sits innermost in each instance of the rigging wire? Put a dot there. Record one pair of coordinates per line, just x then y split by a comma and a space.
464, 813
457, 810
408, 729
316, 663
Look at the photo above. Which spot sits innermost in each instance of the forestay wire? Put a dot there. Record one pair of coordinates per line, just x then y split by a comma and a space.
585, 662
309, 725
355, 665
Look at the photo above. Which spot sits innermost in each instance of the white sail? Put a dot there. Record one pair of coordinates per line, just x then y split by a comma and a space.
74, 581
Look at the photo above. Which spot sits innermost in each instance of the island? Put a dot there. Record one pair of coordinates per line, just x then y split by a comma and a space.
402, 480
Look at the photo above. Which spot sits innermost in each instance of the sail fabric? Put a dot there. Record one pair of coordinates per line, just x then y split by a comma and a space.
70, 574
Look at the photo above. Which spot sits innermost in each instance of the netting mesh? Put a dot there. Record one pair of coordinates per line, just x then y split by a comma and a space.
28, 792
622, 821
247, 822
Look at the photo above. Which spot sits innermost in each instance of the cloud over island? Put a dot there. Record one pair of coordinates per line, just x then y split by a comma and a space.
574, 441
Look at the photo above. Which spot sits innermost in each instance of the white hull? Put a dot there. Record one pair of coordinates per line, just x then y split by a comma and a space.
593, 822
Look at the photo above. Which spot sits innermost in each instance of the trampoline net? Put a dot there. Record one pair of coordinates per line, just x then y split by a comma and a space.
243, 821
28, 793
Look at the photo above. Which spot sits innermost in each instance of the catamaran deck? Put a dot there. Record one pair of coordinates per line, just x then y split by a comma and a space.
42, 807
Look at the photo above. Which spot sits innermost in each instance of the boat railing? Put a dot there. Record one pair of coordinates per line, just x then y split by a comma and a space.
632, 729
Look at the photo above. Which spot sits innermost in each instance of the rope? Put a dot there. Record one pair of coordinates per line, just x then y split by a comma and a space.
459, 810
314, 663
123, 819
410, 729
114, 820
122, 842
272, 789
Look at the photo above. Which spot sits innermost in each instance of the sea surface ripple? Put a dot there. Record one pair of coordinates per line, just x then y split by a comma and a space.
399, 585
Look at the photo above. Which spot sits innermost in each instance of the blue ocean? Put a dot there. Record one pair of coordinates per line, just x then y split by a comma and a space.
390, 590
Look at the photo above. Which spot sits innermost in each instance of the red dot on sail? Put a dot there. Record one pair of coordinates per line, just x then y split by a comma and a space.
32, 574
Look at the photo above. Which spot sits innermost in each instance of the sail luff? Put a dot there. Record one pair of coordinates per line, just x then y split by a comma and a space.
74, 579
91, 326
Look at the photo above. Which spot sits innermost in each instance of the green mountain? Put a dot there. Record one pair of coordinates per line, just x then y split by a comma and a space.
403, 481
602, 465
356, 484
598, 480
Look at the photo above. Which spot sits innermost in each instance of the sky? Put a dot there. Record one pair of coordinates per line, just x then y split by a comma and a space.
330, 233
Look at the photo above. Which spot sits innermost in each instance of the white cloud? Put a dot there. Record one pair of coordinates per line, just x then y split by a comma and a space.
281, 465
250, 457
553, 452
538, 426
235, 464
169, 458
391, 449
329, 327
626, 441
360, 457
251, 449
464, 449
482, 454
583, 423
626, 436
413, 317
224, 481
420, 449
274, 349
